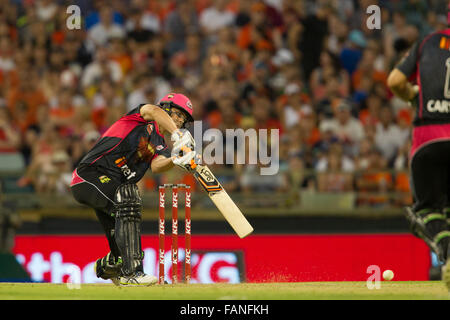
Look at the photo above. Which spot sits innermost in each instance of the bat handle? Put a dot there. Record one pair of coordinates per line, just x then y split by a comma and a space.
193, 164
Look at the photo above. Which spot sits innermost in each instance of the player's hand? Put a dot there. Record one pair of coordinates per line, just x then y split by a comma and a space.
185, 161
182, 139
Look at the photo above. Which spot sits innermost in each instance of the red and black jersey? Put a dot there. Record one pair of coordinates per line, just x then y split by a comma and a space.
126, 150
429, 61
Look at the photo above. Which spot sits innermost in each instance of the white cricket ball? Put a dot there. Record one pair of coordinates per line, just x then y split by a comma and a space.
388, 275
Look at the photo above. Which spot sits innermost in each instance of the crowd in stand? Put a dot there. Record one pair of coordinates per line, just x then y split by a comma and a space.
314, 70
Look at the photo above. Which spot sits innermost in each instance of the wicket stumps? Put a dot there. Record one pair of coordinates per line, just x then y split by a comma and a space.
187, 233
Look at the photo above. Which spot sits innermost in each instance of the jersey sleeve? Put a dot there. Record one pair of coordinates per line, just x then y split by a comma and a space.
164, 152
408, 63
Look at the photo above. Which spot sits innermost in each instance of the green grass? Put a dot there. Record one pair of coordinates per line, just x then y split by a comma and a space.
417, 290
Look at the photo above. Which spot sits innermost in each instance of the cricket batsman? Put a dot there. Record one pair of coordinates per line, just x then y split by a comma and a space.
428, 63
106, 178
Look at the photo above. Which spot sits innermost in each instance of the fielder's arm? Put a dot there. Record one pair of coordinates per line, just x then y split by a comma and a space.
399, 85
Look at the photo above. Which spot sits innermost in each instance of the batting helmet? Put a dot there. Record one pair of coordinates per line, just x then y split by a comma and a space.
179, 101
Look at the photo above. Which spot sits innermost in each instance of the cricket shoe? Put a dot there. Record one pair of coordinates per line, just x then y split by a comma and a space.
138, 279
108, 268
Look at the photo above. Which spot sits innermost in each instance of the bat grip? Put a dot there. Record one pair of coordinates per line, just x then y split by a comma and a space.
187, 150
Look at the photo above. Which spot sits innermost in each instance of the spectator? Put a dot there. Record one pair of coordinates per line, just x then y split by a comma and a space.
329, 66
185, 65
118, 52
105, 30
9, 134
180, 23
46, 10
348, 129
327, 139
366, 68
23, 102
308, 126
351, 53
93, 18
141, 18
346, 164
83, 145
295, 177
291, 32
370, 115
101, 67
41, 158
263, 114
290, 109
375, 183
388, 137
337, 34
141, 84
58, 179
258, 34
257, 85
62, 113
136, 31
364, 152
157, 55
6, 55
315, 26
214, 18
333, 179
229, 117
252, 181
107, 105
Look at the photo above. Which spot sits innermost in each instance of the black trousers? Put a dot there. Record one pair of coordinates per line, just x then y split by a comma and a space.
430, 177
97, 190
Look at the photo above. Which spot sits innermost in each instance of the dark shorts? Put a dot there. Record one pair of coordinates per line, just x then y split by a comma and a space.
93, 188
430, 176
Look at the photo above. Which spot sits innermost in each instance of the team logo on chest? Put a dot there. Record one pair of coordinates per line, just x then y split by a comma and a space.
146, 150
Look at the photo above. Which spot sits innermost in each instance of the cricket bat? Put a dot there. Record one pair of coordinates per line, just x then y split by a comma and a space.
222, 200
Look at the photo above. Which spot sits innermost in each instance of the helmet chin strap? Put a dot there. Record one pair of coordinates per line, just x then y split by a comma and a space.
167, 108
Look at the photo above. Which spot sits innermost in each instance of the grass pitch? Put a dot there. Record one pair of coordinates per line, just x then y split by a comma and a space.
396, 290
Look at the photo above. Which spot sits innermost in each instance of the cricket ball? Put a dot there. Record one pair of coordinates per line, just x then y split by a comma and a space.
388, 275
